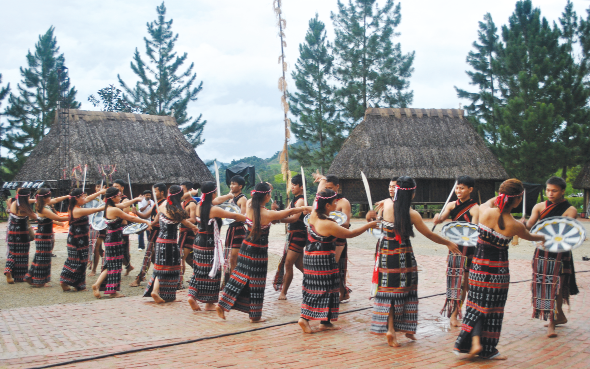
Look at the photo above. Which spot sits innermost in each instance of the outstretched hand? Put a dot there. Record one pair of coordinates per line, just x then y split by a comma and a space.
453, 248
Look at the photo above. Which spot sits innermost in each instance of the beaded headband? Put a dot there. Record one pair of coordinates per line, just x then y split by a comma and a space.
256, 191
317, 197
47, 194
402, 189
170, 195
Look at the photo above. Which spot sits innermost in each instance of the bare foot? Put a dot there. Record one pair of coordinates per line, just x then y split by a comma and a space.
475, 350
411, 336
47, 285
9, 278
220, 312
498, 357
135, 283
328, 327
128, 270
304, 324
157, 298
29, 281
454, 322
391, 339
558, 321
282, 296
92, 273
209, 306
257, 320
95, 291
193, 304
65, 287
551, 330
117, 295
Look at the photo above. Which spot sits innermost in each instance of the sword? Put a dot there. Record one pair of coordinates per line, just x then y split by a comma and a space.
367, 190
304, 187
524, 204
217, 178
130, 190
448, 199
84, 184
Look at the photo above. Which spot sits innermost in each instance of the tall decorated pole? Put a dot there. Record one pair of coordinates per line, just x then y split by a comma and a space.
284, 157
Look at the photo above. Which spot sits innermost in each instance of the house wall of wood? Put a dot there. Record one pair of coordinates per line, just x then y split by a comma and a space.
427, 190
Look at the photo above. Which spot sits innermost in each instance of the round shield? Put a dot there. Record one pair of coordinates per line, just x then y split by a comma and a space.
562, 234
135, 228
232, 208
97, 221
338, 216
461, 233
376, 232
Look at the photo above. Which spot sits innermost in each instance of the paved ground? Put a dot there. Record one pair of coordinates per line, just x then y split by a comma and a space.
52, 334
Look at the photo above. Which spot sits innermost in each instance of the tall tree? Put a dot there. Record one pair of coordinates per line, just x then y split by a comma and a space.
313, 102
31, 111
3, 90
529, 65
111, 99
481, 108
372, 70
3, 93
162, 88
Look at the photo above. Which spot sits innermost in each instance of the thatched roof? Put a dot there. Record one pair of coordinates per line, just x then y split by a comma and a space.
421, 143
150, 148
583, 179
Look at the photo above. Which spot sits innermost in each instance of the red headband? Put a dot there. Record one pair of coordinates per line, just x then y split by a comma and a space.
502, 200
170, 195
317, 197
403, 189
256, 191
47, 194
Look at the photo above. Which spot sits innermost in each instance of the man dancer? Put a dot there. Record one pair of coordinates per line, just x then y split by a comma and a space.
160, 193
125, 206
465, 209
97, 251
236, 231
144, 205
296, 239
554, 277
186, 237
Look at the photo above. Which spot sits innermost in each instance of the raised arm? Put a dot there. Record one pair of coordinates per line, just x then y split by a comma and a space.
422, 228
220, 213
278, 215
441, 217
295, 217
80, 212
522, 232
94, 195
535, 215
46, 213
56, 200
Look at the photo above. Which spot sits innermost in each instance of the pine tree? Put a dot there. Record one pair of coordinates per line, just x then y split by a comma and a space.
111, 99
372, 70
162, 88
481, 109
3, 93
529, 64
3, 90
32, 112
313, 101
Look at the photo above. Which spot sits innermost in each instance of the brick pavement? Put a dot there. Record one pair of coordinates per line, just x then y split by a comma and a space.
58, 333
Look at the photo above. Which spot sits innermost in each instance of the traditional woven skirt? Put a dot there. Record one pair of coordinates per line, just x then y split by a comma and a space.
74, 270
167, 261
201, 287
40, 271
321, 279
113, 256
398, 285
18, 242
245, 289
489, 279
148, 257
296, 240
457, 266
343, 264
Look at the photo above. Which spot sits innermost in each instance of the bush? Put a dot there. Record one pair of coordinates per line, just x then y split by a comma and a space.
577, 202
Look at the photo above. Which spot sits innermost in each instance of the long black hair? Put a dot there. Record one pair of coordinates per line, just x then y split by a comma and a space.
406, 186
324, 198
74, 195
208, 189
22, 202
174, 205
258, 195
42, 195
108, 199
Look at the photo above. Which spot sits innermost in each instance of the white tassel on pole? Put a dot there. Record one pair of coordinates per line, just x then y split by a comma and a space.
218, 259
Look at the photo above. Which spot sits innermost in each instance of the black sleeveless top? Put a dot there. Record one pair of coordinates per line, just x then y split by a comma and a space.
461, 210
298, 225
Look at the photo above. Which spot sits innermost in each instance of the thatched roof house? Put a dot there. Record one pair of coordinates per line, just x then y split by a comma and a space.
434, 146
582, 182
150, 148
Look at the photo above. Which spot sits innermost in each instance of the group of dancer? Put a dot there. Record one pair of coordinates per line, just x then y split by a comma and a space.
233, 276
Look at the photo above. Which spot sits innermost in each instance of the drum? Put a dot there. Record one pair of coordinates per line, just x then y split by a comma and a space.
135, 228
97, 221
461, 233
562, 234
232, 208
337, 216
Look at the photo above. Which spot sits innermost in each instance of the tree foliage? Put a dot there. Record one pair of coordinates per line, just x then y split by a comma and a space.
163, 88
111, 99
32, 108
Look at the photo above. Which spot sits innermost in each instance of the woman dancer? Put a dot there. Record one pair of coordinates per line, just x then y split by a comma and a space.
203, 287
396, 303
164, 282
74, 270
245, 288
110, 278
489, 275
39, 274
18, 241
321, 274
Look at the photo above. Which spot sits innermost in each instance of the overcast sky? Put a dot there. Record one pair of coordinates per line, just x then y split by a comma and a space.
235, 47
